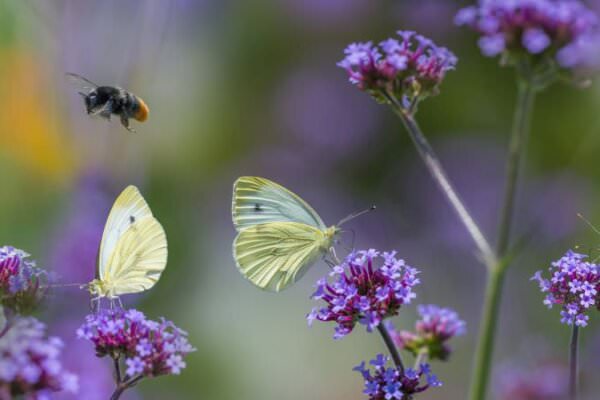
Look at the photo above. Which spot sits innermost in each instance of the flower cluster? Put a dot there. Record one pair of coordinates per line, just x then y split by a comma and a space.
433, 330
574, 285
542, 30
362, 293
20, 281
149, 348
547, 381
409, 68
29, 361
392, 383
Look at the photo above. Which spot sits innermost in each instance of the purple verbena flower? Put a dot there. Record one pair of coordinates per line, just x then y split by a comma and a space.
383, 383
20, 280
433, 330
574, 285
546, 381
544, 32
29, 361
362, 293
149, 348
408, 69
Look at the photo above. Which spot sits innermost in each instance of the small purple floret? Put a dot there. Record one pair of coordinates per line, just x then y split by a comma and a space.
29, 361
553, 28
409, 68
362, 293
574, 285
20, 280
390, 383
149, 348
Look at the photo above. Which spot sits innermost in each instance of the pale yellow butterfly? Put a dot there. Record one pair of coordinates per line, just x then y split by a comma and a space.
279, 235
133, 250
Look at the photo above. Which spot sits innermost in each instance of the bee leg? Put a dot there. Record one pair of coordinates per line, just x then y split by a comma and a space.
125, 123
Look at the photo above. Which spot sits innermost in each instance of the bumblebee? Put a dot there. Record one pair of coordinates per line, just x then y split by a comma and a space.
104, 101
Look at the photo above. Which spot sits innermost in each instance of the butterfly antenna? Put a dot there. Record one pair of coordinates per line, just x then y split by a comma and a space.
355, 214
588, 223
60, 285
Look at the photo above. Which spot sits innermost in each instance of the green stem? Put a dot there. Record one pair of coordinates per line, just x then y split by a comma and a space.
518, 140
391, 346
421, 357
487, 334
440, 177
493, 293
573, 367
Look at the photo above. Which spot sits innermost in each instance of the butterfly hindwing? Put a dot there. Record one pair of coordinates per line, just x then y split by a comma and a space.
275, 255
138, 259
259, 201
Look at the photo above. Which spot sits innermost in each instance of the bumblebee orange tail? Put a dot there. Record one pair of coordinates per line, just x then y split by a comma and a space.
142, 112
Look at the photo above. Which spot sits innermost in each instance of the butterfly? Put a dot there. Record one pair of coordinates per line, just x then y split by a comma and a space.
279, 235
133, 250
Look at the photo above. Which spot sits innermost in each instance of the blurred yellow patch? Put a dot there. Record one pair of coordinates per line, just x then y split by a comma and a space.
30, 132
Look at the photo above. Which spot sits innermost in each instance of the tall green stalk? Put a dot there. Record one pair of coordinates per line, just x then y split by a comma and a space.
573, 367
495, 280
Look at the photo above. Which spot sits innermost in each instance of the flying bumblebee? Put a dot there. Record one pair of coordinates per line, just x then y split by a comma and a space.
103, 101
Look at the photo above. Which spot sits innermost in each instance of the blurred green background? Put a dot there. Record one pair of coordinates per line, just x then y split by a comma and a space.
251, 88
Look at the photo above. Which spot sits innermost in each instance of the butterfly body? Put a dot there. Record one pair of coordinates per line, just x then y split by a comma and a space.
279, 235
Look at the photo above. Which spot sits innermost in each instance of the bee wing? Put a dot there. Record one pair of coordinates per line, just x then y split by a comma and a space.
81, 82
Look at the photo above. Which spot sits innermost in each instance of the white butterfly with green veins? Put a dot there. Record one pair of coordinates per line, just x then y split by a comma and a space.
133, 250
279, 235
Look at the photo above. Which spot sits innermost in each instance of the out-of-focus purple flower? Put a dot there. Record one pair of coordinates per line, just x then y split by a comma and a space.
96, 381
547, 381
574, 285
75, 245
391, 383
362, 293
433, 330
20, 280
29, 361
148, 348
316, 109
532, 28
408, 69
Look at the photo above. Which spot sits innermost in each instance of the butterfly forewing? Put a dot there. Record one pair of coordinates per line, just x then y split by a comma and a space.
128, 208
275, 255
259, 201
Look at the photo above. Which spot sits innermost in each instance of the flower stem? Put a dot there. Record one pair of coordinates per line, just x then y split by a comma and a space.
520, 132
421, 357
118, 392
573, 368
439, 175
495, 280
385, 334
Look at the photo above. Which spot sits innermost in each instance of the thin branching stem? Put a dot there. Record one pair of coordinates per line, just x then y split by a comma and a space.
439, 175
392, 348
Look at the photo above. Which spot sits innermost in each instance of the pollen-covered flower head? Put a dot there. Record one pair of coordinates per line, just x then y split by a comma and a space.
364, 293
29, 361
435, 327
382, 382
407, 68
545, 33
20, 281
574, 285
148, 348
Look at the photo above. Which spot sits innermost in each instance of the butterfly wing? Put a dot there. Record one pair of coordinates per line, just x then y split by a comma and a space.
259, 200
128, 208
138, 259
275, 255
